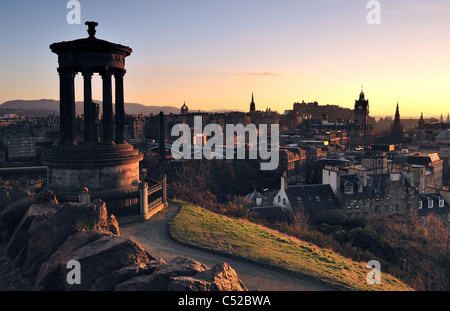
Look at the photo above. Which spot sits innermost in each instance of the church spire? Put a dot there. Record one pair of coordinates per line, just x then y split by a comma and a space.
397, 114
252, 105
397, 128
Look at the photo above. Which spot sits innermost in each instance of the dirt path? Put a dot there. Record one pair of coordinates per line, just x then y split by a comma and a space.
153, 236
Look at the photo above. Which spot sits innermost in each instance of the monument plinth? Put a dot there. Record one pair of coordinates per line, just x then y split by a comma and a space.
102, 162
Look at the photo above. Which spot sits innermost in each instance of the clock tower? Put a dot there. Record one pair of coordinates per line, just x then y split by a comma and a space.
362, 110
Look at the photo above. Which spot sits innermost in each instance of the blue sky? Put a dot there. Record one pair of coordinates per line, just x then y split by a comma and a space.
214, 54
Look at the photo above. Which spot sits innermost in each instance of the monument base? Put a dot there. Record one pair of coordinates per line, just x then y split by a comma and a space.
99, 167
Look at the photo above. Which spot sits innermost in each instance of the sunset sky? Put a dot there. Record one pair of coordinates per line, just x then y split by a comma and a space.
214, 53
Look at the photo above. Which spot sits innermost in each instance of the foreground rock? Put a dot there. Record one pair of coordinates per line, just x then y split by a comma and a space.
42, 236
221, 277
11, 194
11, 215
99, 254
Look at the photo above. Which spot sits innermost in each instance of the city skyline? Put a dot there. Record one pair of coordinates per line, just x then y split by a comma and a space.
213, 56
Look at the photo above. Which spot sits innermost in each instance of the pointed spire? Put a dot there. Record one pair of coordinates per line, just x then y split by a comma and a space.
397, 115
252, 105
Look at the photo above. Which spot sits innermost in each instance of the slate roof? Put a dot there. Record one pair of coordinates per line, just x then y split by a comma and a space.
425, 210
376, 183
313, 197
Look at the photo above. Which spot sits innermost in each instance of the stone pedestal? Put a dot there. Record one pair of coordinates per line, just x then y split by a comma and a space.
100, 168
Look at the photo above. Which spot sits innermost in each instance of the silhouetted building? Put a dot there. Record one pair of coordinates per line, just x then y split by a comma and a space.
421, 124
397, 128
362, 110
252, 105
184, 109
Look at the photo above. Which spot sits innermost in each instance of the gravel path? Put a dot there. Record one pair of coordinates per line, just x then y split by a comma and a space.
153, 236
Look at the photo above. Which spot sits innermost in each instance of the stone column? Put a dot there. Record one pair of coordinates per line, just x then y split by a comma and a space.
67, 105
108, 124
143, 199
62, 106
88, 106
120, 106
164, 191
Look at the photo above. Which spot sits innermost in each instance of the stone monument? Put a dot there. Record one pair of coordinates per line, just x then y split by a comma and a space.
102, 162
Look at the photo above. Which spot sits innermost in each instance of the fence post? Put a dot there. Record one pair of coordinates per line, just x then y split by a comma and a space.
143, 202
85, 196
164, 189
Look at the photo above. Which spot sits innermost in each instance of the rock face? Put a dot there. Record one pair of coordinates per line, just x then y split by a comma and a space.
41, 236
9, 195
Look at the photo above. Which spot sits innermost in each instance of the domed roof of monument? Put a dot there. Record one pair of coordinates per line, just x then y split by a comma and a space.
90, 44
444, 137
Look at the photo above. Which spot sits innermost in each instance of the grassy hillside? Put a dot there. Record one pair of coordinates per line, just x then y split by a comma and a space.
202, 228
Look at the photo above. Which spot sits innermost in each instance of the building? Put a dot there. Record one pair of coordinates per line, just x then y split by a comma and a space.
293, 163
252, 105
363, 195
184, 109
375, 162
361, 132
362, 110
319, 202
135, 128
22, 148
397, 128
443, 142
434, 204
423, 170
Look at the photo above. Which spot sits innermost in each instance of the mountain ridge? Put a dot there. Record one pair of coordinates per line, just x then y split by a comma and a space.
46, 106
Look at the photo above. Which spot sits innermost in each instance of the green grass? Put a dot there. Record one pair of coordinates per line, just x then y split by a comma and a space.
202, 228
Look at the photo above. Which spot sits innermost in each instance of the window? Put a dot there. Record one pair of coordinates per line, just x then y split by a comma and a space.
349, 204
397, 208
387, 208
360, 187
441, 202
387, 195
348, 188
284, 201
377, 208
279, 199
430, 203
420, 204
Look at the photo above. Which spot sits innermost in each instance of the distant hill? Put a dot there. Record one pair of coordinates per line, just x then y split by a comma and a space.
44, 107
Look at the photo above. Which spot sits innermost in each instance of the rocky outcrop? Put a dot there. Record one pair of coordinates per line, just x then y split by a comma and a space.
11, 194
221, 277
41, 236
13, 213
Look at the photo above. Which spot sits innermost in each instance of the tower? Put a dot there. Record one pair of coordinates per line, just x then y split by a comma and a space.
362, 110
252, 105
397, 128
421, 124
184, 109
